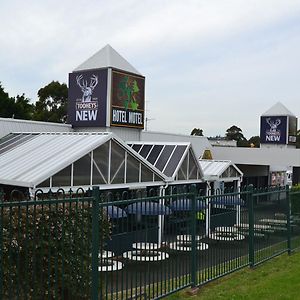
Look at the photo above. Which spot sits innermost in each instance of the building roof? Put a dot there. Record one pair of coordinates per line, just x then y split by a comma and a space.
175, 160
107, 57
219, 169
278, 109
8, 125
30, 159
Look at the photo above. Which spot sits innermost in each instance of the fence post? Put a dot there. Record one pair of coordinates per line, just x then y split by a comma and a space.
251, 226
194, 246
288, 219
95, 243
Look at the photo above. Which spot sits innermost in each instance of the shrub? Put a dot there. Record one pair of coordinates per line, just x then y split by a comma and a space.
46, 249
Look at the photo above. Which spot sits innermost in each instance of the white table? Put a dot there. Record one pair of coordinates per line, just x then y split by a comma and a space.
107, 264
188, 237
273, 222
110, 265
145, 246
226, 229
181, 246
255, 226
227, 238
106, 254
140, 255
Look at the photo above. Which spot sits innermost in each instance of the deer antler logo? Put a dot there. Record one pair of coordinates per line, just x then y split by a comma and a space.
273, 125
87, 90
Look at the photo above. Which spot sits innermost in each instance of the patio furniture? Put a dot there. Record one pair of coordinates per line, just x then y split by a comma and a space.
107, 263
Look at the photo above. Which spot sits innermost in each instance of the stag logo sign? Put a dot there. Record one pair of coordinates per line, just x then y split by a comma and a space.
87, 98
273, 130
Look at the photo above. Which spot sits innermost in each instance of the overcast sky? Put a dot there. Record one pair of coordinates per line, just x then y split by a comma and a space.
208, 63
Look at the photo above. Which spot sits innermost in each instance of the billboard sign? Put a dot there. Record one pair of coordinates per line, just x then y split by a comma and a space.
292, 138
127, 100
273, 130
87, 98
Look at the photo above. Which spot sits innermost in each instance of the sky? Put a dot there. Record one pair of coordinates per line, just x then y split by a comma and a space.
208, 64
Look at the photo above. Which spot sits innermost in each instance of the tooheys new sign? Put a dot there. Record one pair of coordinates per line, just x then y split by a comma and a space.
127, 100
273, 130
87, 98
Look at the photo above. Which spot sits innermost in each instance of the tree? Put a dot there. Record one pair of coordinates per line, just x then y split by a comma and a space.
235, 133
197, 131
52, 103
18, 107
23, 108
6, 104
254, 141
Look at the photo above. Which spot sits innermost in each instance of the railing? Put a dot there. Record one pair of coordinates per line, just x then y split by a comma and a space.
102, 246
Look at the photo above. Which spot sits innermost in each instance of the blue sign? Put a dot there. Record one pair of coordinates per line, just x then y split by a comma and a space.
273, 130
87, 98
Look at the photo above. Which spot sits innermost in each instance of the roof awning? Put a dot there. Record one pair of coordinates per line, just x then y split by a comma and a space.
73, 159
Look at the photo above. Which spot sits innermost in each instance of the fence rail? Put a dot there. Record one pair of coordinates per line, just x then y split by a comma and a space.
102, 246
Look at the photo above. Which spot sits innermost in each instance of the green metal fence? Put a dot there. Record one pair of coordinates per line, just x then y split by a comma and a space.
142, 245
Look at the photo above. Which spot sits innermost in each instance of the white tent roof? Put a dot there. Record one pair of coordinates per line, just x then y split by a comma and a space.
105, 58
29, 159
213, 169
278, 110
167, 157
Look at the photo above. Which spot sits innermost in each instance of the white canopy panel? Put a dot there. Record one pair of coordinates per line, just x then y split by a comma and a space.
29, 159
216, 169
175, 160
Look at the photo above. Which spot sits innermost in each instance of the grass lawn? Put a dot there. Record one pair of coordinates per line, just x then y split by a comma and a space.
278, 278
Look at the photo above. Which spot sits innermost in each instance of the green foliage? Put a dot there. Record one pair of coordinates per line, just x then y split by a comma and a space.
47, 250
18, 107
197, 131
127, 92
254, 141
235, 133
52, 103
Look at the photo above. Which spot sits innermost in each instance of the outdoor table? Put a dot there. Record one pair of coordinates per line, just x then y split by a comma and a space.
145, 246
182, 246
110, 265
273, 221
184, 243
188, 237
255, 226
226, 229
226, 237
145, 255
106, 254
107, 263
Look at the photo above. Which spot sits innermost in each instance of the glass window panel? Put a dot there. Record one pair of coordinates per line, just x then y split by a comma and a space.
174, 161
147, 175
133, 169
156, 178
145, 150
82, 171
154, 153
182, 172
62, 178
101, 155
117, 159
193, 168
136, 147
118, 177
164, 157
45, 183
